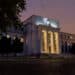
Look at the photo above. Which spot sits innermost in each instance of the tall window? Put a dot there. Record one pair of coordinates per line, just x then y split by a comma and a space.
49, 42
43, 44
44, 41
56, 42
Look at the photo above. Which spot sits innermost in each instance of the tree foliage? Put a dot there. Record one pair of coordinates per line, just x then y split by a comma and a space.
9, 13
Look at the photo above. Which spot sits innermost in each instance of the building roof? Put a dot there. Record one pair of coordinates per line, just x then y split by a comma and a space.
39, 20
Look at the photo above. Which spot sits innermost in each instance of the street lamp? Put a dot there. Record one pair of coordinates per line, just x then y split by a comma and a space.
21, 40
8, 36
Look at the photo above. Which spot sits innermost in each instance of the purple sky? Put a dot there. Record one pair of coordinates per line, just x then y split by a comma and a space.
62, 10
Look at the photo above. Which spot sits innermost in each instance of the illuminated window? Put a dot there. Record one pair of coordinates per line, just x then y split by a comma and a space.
44, 41
56, 42
43, 44
49, 42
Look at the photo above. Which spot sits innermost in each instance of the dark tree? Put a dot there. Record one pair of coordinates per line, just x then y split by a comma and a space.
17, 46
3, 44
9, 13
8, 45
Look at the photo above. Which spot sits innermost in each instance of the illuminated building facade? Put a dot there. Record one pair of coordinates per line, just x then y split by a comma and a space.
43, 35
40, 35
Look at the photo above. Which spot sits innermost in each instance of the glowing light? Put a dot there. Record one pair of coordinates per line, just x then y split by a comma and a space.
39, 23
52, 42
57, 51
71, 37
54, 25
45, 41
8, 36
21, 40
46, 21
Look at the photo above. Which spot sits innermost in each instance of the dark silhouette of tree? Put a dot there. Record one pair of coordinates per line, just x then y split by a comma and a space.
0, 44
20, 49
9, 13
3, 44
8, 45
17, 46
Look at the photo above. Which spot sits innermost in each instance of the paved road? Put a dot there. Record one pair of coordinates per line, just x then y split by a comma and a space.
37, 67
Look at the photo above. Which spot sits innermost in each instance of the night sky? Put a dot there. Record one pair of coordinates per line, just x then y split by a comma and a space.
62, 10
